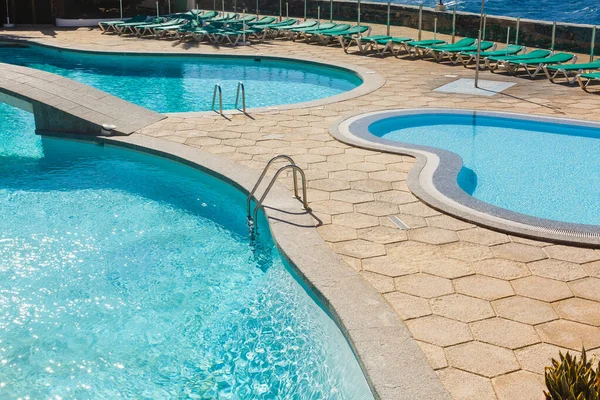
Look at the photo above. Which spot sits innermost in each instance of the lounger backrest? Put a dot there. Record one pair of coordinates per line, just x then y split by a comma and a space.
464, 42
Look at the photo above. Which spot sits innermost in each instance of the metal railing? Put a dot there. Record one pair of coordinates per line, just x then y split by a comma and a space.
242, 90
295, 170
218, 88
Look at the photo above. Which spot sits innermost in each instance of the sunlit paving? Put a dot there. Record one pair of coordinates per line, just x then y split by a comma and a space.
307, 199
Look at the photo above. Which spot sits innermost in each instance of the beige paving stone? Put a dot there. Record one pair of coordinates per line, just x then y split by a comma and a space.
337, 233
412, 252
433, 235
377, 208
570, 335
439, 331
539, 288
522, 309
462, 308
538, 356
447, 222
382, 284
593, 269
350, 176
329, 185
520, 385
483, 236
579, 310
501, 268
572, 254
389, 265
482, 359
418, 209
359, 248
483, 287
352, 196
388, 175
407, 306
556, 269
382, 234
331, 207
466, 386
355, 220
504, 333
424, 285
365, 167
435, 355
518, 252
588, 288
412, 221
446, 268
370, 185
466, 251
396, 197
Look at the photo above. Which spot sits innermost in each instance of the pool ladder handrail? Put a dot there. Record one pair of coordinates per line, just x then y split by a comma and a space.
295, 169
218, 88
237, 97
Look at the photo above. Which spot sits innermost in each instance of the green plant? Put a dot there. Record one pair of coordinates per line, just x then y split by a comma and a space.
570, 378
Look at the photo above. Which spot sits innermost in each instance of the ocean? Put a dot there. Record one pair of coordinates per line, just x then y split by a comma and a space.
578, 12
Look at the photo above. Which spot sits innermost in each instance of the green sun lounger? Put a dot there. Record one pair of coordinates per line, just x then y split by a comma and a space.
262, 21
129, 27
145, 29
537, 64
499, 61
108, 26
207, 15
305, 24
364, 43
453, 53
295, 33
570, 71
317, 34
465, 42
354, 31
587, 78
466, 57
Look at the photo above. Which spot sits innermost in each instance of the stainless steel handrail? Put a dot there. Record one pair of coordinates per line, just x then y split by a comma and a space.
264, 172
237, 97
268, 189
218, 87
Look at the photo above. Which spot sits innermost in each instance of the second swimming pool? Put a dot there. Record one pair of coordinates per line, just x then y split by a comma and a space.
184, 83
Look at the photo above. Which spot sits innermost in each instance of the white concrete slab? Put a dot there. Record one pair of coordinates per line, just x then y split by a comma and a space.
467, 86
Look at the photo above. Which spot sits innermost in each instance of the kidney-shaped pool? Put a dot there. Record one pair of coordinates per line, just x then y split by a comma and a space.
185, 83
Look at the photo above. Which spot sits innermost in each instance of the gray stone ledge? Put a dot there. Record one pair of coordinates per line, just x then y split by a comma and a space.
63, 105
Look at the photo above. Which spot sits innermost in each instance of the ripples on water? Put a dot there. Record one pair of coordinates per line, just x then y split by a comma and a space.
578, 12
124, 275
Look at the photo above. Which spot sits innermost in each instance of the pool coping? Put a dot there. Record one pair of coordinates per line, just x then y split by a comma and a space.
372, 80
433, 179
391, 360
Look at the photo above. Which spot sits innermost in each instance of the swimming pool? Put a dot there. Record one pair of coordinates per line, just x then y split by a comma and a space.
516, 166
112, 286
185, 83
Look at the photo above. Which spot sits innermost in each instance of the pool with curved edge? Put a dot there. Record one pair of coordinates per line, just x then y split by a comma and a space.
536, 171
185, 83
126, 274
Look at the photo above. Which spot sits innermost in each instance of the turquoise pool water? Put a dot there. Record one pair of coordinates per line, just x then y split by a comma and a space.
546, 170
183, 84
124, 275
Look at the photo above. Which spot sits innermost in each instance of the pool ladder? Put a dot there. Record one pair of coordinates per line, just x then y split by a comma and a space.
241, 90
295, 170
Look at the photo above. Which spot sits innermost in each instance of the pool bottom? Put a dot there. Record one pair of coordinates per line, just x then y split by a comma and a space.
434, 178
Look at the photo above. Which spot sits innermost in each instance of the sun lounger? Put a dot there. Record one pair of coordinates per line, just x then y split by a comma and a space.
143, 30
534, 66
429, 49
129, 27
262, 21
587, 78
364, 43
273, 30
317, 34
413, 47
296, 32
495, 62
466, 57
110, 26
453, 53
570, 71
326, 37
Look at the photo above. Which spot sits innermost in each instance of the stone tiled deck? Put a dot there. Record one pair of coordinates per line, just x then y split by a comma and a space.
488, 309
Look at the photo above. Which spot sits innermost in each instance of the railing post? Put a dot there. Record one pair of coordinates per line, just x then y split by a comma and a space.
420, 20
388, 18
454, 24
517, 33
553, 35
593, 44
